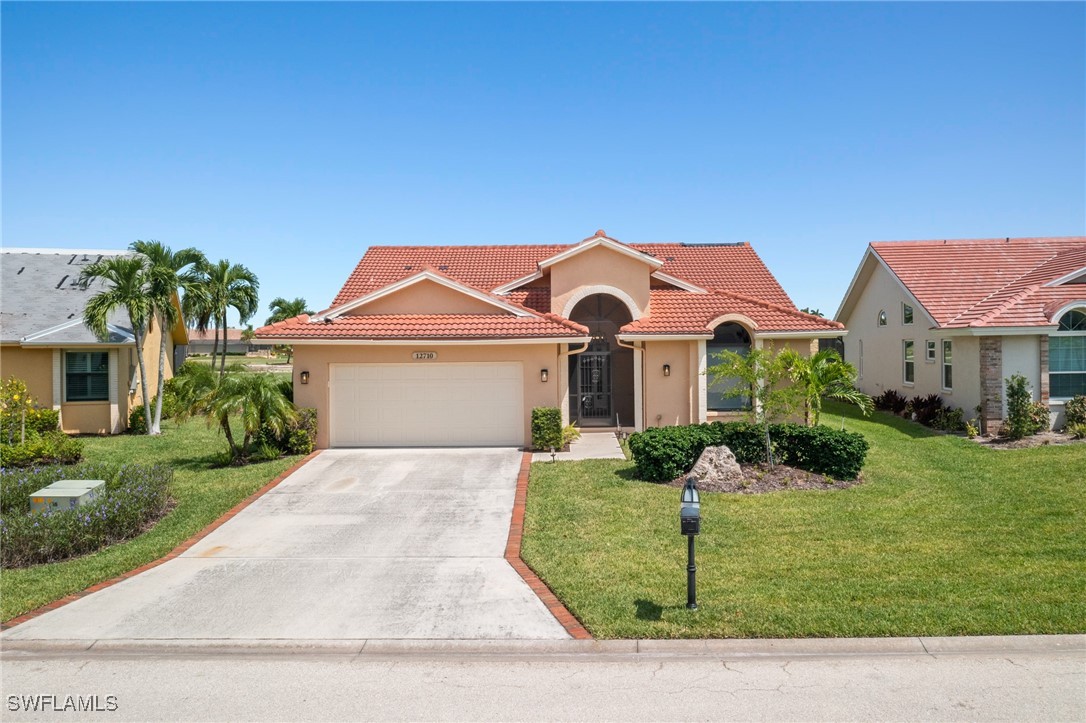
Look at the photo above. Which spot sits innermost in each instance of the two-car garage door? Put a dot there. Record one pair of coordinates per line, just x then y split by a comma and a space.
426, 404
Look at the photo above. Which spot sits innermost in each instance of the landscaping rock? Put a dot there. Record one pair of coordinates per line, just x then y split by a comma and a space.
716, 465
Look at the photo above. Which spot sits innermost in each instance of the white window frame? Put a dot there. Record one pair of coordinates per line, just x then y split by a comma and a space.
906, 345
1061, 334
948, 345
64, 376
930, 351
912, 313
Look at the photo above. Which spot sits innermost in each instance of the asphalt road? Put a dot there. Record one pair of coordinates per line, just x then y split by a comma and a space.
1016, 684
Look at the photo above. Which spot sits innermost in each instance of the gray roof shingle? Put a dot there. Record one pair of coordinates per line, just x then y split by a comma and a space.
40, 298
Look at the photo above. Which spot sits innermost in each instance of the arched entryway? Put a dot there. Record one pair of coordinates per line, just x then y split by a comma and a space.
601, 379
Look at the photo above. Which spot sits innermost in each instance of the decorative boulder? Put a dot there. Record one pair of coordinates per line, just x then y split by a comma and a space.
716, 464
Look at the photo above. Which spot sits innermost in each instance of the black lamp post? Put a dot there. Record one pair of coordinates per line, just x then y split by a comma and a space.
690, 519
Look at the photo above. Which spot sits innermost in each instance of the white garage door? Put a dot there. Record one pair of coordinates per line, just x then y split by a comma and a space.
426, 405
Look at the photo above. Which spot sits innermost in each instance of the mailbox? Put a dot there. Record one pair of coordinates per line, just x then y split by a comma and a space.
690, 512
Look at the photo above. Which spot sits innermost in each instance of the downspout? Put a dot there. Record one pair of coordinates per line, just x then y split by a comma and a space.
639, 424
563, 373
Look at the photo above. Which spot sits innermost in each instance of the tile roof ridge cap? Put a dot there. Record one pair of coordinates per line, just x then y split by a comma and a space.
999, 308
779, 307
1004, 240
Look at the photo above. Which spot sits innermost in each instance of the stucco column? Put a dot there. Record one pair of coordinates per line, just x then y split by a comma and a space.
563, 384
639, 384
991, 383
702, 383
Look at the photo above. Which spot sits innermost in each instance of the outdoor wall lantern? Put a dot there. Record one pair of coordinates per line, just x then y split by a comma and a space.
667, 370
304, 376
690, 521
543, 376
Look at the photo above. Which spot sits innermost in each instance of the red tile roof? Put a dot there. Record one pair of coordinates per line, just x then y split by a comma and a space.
427, 326
728, 266
672, 311
976, 283
739, 280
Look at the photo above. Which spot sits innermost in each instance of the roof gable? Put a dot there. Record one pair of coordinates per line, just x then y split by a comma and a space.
979, 282
425, 277
600, 240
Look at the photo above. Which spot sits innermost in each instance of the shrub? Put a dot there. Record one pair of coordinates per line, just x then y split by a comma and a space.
569, 434
890, 401
48, 448
134, 496
137, 421
298, 437
1024, 416
950, 419
547, 428
20, 416
1076, 430
925, 410
664, 453
1075, 410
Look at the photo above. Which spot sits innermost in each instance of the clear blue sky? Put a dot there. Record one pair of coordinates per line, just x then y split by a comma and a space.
289, 137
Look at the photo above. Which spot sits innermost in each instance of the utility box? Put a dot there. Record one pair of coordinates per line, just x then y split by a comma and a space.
66, 494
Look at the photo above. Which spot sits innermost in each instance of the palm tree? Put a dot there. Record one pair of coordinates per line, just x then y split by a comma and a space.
282, 309
257, 400
223, 286
167, 272
824, 375
127, 288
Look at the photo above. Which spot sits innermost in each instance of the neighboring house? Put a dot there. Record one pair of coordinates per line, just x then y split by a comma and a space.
454, 345
957, 318
43, 341
203, 342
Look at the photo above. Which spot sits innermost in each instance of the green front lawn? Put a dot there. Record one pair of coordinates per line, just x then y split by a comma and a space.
203, 494
943, 538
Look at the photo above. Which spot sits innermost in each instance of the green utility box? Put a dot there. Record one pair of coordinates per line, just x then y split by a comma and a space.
66, 494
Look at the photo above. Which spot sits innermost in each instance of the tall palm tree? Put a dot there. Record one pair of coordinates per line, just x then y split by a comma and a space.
223, 286
167, 271
282, 309
824, 375
257, 400
127, 285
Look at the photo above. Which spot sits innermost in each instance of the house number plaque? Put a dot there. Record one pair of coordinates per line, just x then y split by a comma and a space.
424, 355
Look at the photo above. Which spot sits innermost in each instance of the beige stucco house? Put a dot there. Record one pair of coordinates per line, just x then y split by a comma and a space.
957, 318
43, 341
454, 345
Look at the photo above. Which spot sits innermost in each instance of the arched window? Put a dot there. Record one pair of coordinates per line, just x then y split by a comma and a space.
882, 318
726, 337
1067, 356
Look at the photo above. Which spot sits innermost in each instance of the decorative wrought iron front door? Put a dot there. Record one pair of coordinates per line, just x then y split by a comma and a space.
592, 398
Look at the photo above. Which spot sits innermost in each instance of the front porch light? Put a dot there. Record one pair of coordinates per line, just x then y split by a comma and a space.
304, 376
667, 370
543, 376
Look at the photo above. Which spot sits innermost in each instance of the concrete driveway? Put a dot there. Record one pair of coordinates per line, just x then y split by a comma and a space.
357, 544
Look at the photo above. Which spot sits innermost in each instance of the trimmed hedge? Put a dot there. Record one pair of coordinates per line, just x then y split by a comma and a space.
135, 495
664, 453
547, 428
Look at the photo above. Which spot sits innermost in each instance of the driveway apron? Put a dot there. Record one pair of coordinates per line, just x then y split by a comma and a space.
357, 544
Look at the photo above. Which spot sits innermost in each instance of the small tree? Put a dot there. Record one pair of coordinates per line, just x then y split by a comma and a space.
824, 376
766, 378
1024, 417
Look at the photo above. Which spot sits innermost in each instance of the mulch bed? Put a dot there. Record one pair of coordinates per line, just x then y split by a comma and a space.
761, 478
1036, 440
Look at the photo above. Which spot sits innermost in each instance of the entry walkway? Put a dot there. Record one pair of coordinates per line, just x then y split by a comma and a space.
591, 445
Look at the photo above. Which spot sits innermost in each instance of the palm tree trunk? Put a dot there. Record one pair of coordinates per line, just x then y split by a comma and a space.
215, 348
225, 423
143, 376
222, 367
157, 428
